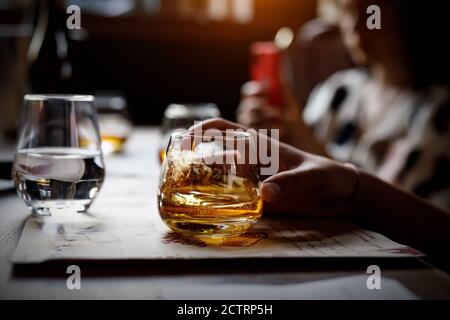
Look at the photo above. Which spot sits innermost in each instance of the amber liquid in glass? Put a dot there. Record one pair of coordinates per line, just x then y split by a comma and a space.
162, 155
202, 201
113, 144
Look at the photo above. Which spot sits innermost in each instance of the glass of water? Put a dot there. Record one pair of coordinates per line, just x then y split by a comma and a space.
58, 165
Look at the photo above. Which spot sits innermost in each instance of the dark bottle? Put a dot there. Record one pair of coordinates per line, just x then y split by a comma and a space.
49, 54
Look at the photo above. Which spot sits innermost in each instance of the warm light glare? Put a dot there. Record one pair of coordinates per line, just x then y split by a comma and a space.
284, 38
243, 10
218, 9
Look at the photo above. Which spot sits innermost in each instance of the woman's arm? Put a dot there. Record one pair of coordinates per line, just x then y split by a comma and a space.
254, 112
402, 216
311, 186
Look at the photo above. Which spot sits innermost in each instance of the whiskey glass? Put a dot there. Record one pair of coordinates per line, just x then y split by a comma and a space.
58, 164
114, 123
209, 184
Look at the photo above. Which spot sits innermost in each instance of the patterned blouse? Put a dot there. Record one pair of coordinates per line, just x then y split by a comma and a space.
402, 137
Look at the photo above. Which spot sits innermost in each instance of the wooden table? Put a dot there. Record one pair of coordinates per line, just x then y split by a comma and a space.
137, 282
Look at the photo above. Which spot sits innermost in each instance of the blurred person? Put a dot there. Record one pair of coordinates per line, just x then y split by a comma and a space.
391, 115
306, 62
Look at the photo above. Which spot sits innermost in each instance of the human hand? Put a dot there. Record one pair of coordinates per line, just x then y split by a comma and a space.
305, 184
254, 110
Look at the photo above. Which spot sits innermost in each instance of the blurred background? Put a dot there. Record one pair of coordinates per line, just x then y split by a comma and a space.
314, 69
152, 52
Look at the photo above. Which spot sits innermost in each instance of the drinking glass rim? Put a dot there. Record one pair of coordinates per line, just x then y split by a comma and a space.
188, 110
59, 97
225, 134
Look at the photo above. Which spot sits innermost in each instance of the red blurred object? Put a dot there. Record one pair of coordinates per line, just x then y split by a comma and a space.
265, 69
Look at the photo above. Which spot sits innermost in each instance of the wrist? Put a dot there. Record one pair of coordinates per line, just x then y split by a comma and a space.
362, 202
355, 194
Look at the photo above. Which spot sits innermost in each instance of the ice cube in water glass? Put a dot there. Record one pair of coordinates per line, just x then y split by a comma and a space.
58, 178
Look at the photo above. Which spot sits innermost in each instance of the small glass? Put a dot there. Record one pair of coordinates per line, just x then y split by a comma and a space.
114, 122
183, 116
59, 162
209, 186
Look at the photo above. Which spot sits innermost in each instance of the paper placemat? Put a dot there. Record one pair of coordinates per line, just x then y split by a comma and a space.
124, 224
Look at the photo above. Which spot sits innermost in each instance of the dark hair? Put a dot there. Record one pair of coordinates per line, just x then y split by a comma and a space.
424, 24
